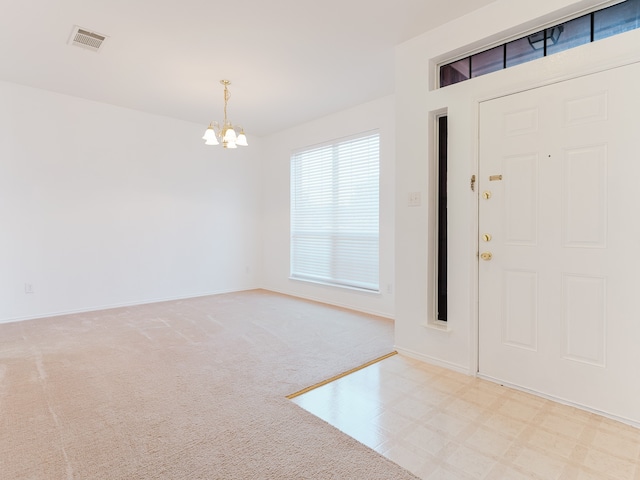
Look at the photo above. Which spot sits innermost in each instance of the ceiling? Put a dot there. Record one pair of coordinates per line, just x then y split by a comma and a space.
289, 61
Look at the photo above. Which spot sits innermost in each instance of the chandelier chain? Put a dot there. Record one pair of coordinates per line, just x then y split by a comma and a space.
227, 96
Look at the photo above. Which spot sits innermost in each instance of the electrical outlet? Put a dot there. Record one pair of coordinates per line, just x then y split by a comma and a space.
28, 288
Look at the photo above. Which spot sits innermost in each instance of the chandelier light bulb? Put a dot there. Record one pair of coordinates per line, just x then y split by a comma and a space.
209, 133
242, 139
230, 135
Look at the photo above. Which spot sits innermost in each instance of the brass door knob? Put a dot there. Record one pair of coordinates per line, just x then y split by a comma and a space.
486, 195
487, 237
486, 256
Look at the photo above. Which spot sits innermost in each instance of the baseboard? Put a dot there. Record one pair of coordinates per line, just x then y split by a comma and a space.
335, 304
434, 361
561, 401
134, 303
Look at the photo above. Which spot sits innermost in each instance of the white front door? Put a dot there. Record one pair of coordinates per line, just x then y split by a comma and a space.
559, 227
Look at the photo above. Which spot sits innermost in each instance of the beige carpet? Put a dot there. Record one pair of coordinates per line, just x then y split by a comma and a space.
191, 389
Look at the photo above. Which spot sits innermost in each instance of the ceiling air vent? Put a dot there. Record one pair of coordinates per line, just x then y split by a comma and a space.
81, 37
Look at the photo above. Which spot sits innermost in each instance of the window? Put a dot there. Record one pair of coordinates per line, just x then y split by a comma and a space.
521, 51
487, 61
569, 35
455, 72
441, 284
617, 19
335, 213
591, 27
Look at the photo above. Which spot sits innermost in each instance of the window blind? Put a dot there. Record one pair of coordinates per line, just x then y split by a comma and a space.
335, 213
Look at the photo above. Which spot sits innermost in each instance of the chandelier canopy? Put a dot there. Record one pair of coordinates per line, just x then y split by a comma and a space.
225, 133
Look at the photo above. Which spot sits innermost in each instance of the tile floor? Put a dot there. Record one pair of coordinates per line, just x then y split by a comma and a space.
440, 424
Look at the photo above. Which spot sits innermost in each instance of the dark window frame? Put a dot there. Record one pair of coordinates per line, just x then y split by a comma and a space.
540, 41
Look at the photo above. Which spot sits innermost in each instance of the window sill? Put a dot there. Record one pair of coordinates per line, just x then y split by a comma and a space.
439, 326
335, 285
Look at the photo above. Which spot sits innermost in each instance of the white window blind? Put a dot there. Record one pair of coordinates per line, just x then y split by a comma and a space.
335, 213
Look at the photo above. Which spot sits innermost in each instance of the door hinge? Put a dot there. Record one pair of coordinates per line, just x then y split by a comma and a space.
473, 183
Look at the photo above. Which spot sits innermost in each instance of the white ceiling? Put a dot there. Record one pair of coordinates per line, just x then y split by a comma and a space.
289, 61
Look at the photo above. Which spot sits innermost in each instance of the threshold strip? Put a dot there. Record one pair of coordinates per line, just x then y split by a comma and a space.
340, 375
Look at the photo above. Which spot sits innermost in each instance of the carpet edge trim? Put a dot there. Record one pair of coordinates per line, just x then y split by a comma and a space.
340, 375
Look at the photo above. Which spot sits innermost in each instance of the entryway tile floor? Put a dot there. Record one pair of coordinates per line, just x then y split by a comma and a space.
441, 424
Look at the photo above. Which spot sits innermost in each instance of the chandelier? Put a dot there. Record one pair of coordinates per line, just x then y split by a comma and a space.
215, 133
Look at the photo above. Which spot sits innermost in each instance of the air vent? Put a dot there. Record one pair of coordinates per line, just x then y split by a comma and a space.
81, 37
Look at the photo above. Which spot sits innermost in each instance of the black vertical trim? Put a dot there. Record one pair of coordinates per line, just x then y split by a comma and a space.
544, 44
441, 284
593, 26
504, 56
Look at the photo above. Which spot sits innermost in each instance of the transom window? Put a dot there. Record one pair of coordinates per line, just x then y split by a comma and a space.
594, 26
335, 213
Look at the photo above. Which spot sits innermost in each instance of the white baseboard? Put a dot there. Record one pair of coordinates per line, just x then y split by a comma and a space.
97, 308
466, 371
434, 361
561, 401
335, 304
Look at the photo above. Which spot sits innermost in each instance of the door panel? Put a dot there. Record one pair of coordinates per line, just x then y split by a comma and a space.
584, 203
559, 172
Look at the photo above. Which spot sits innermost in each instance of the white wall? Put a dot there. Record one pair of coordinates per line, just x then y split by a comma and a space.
416, 104
277, 151
103, 206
